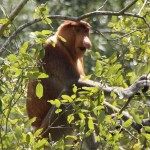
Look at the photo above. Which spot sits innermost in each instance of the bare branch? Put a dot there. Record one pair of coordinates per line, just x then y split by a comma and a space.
13, 14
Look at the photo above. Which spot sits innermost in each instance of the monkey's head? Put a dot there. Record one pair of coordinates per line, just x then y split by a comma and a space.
76, 35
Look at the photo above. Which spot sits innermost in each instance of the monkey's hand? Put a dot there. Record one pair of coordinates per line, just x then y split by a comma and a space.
140, 84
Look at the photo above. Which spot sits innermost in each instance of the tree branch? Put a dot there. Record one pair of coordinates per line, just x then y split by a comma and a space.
12, 16
126, 116
121, 92
87, 15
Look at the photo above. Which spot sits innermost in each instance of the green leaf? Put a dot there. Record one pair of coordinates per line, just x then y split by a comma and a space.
127, 123
18, 132
17, 71
75, 89
46, 32
82, 116
147, 136
28, 138
12, 58
42, 53
52, 102
102, 116
58, 111
46, 20
98, 68
43, 75
137, 119
0, 106
57, 103
147, 129
91, 124
66, 97
1, 91
39, 90
71, 137
98, 107
40, 144
124, 40
29, 122
38, 132
70, 118
24, 47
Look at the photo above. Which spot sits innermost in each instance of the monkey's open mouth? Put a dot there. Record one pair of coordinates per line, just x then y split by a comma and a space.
82, 48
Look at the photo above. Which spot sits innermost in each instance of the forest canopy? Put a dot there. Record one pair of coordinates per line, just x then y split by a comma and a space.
120, 54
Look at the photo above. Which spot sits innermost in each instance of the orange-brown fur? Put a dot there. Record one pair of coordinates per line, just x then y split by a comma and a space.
64, 65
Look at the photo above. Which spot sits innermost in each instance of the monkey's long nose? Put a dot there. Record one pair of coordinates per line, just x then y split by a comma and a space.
87, 42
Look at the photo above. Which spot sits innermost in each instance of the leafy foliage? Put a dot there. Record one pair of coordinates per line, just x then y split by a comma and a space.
120, 54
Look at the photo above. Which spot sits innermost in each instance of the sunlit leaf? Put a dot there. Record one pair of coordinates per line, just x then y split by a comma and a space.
66, 97
57, 103
39, 90
43, 75
38, 132
12, 58
40, 144
90, 124
46, 32
71, 137
57, 111
81, 115
137, 146
29, 122
52, 102
98, 68
147, 136
99, 107
147, 128
127, 123
70, 118
136, 117
74, 89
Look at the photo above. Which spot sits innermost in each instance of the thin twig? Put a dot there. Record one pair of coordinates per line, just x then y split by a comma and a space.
127, 7
12, 16
102, 5
145, 2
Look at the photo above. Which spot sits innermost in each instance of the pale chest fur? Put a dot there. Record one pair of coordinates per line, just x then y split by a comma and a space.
80, 67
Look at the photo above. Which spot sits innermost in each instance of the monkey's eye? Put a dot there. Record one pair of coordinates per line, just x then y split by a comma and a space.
78, 30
